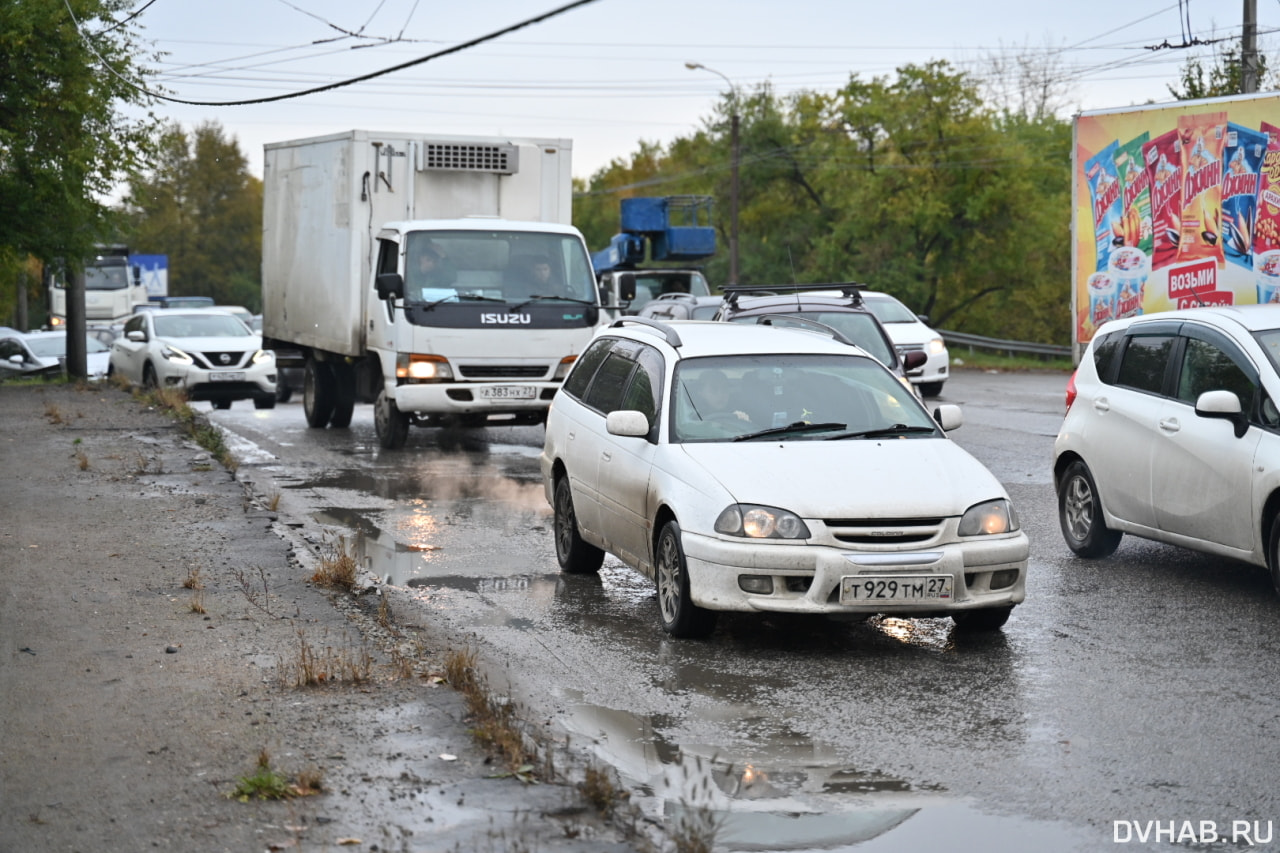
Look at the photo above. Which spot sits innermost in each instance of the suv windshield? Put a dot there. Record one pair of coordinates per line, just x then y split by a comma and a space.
740, 397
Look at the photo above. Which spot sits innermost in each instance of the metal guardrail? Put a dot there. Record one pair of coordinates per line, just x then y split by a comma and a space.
960, 339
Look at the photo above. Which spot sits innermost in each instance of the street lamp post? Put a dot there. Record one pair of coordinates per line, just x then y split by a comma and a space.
733, 186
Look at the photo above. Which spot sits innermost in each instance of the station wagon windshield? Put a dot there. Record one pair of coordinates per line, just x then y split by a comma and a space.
792, 398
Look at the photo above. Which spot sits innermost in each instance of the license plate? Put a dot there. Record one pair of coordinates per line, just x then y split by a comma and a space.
229, 376
863, 588
507, 392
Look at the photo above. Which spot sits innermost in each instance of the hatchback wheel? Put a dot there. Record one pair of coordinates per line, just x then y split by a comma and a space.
1080, 514
576, 556
680, 616
1273, 553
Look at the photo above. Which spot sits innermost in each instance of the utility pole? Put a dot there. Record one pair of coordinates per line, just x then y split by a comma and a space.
77, 366
735, 157
1249, 49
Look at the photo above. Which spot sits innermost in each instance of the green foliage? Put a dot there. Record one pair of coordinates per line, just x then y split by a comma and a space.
910, 183
65, 70
198, 204
1223, 76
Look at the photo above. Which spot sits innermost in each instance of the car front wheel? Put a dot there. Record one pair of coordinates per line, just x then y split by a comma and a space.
575, 555
680, 616
986, 619
1080, 514
1273, 553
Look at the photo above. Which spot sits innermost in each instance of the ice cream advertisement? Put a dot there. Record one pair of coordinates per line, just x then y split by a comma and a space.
1175, 206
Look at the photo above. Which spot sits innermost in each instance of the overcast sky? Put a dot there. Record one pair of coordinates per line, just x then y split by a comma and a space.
611, 73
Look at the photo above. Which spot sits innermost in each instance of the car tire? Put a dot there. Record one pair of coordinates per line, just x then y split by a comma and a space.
1273, 553
389, 423
344, 396
680, 616
149, 380
283, 392
930, 389
264, 401
985, 619
317, 393
1080, 514
221, 404
575, 555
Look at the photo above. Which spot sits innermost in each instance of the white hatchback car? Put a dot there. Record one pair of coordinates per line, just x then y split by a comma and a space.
210, 354
1172, 433
909, 333
761, 468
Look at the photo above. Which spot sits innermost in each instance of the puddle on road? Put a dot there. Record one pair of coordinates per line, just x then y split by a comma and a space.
789, 793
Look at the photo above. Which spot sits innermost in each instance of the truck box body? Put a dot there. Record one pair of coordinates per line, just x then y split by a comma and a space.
472, 338
1174, 206
325, 198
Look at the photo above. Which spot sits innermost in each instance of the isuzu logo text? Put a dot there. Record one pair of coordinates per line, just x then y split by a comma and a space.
505, 319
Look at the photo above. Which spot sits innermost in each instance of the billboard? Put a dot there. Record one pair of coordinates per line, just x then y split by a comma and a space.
1175, 206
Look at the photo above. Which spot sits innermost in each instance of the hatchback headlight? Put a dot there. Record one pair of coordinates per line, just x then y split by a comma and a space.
761, 522
989, 518
177, 356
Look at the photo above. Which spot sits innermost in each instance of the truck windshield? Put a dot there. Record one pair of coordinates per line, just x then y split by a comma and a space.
487, 266
106, 278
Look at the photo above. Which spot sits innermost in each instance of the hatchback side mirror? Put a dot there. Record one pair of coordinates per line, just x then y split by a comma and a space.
1225, 405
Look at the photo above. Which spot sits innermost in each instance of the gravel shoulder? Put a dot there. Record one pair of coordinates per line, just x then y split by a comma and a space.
131, 705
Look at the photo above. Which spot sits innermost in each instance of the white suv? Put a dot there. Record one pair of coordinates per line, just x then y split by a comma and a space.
1172, 433
909, 333
761, 468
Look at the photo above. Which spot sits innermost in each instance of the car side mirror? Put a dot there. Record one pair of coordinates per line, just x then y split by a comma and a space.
914, 360
1224, 405
626, 288
390, 285
137, 335
627, 422
949, 417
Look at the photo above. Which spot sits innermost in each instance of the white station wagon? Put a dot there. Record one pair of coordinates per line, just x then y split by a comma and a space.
759, 468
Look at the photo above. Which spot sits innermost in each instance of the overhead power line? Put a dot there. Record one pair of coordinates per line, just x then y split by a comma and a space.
341, 83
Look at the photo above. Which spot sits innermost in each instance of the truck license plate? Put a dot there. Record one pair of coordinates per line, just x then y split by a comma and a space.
229, 376
864, 588
507, 392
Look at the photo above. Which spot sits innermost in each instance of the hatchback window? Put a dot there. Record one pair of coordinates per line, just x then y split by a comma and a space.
1105, 348
1205, 367
1143, 364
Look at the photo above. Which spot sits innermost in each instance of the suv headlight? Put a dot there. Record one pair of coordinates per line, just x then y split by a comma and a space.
262, 355
988, 518
761, 522
177, 356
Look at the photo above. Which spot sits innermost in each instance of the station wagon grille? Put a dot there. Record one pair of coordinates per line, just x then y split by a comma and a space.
884, 531
502, 371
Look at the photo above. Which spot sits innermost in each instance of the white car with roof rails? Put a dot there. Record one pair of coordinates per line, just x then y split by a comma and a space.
758, 468
910, 333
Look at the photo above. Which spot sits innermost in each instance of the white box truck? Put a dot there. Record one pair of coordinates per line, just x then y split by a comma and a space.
437, 277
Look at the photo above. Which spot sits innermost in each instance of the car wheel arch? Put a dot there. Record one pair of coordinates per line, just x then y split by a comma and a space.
1268, 520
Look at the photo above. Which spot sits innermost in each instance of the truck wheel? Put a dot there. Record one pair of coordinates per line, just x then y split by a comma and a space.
344, 396
391, 424
317, 393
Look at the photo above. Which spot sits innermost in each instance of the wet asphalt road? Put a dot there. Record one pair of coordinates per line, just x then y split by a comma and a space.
1128, 699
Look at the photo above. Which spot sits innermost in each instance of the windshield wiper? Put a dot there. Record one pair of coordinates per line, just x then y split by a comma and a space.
459, 297
797, 426
537, 297
896, 429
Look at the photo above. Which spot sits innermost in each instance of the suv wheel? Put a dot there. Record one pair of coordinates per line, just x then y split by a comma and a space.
1080, 514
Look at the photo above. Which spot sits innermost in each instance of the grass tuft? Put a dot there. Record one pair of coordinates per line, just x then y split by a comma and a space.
267, 783
337, 567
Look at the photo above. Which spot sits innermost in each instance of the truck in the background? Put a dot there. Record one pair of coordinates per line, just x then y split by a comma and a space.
437, 277
1174, 206
667, 229
114, 285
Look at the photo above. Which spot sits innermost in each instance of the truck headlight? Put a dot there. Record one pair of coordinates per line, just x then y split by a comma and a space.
760, 522
988, 518
563, 370
423, 368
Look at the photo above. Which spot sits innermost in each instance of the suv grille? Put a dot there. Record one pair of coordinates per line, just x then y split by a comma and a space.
217, 360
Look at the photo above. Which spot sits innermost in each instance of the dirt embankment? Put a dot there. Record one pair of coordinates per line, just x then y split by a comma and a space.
153, 617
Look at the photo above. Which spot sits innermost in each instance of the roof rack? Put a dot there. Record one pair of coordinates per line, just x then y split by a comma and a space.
782, 320
667, 332
850, 289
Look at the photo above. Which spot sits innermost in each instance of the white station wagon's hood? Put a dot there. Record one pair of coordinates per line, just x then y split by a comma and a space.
866, 478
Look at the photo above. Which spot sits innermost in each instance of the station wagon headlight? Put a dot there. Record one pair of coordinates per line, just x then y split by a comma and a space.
761, 522
989, 518
177, 356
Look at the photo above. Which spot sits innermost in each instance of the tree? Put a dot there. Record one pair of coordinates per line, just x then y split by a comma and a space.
67, 70
198, 204
1222, 77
